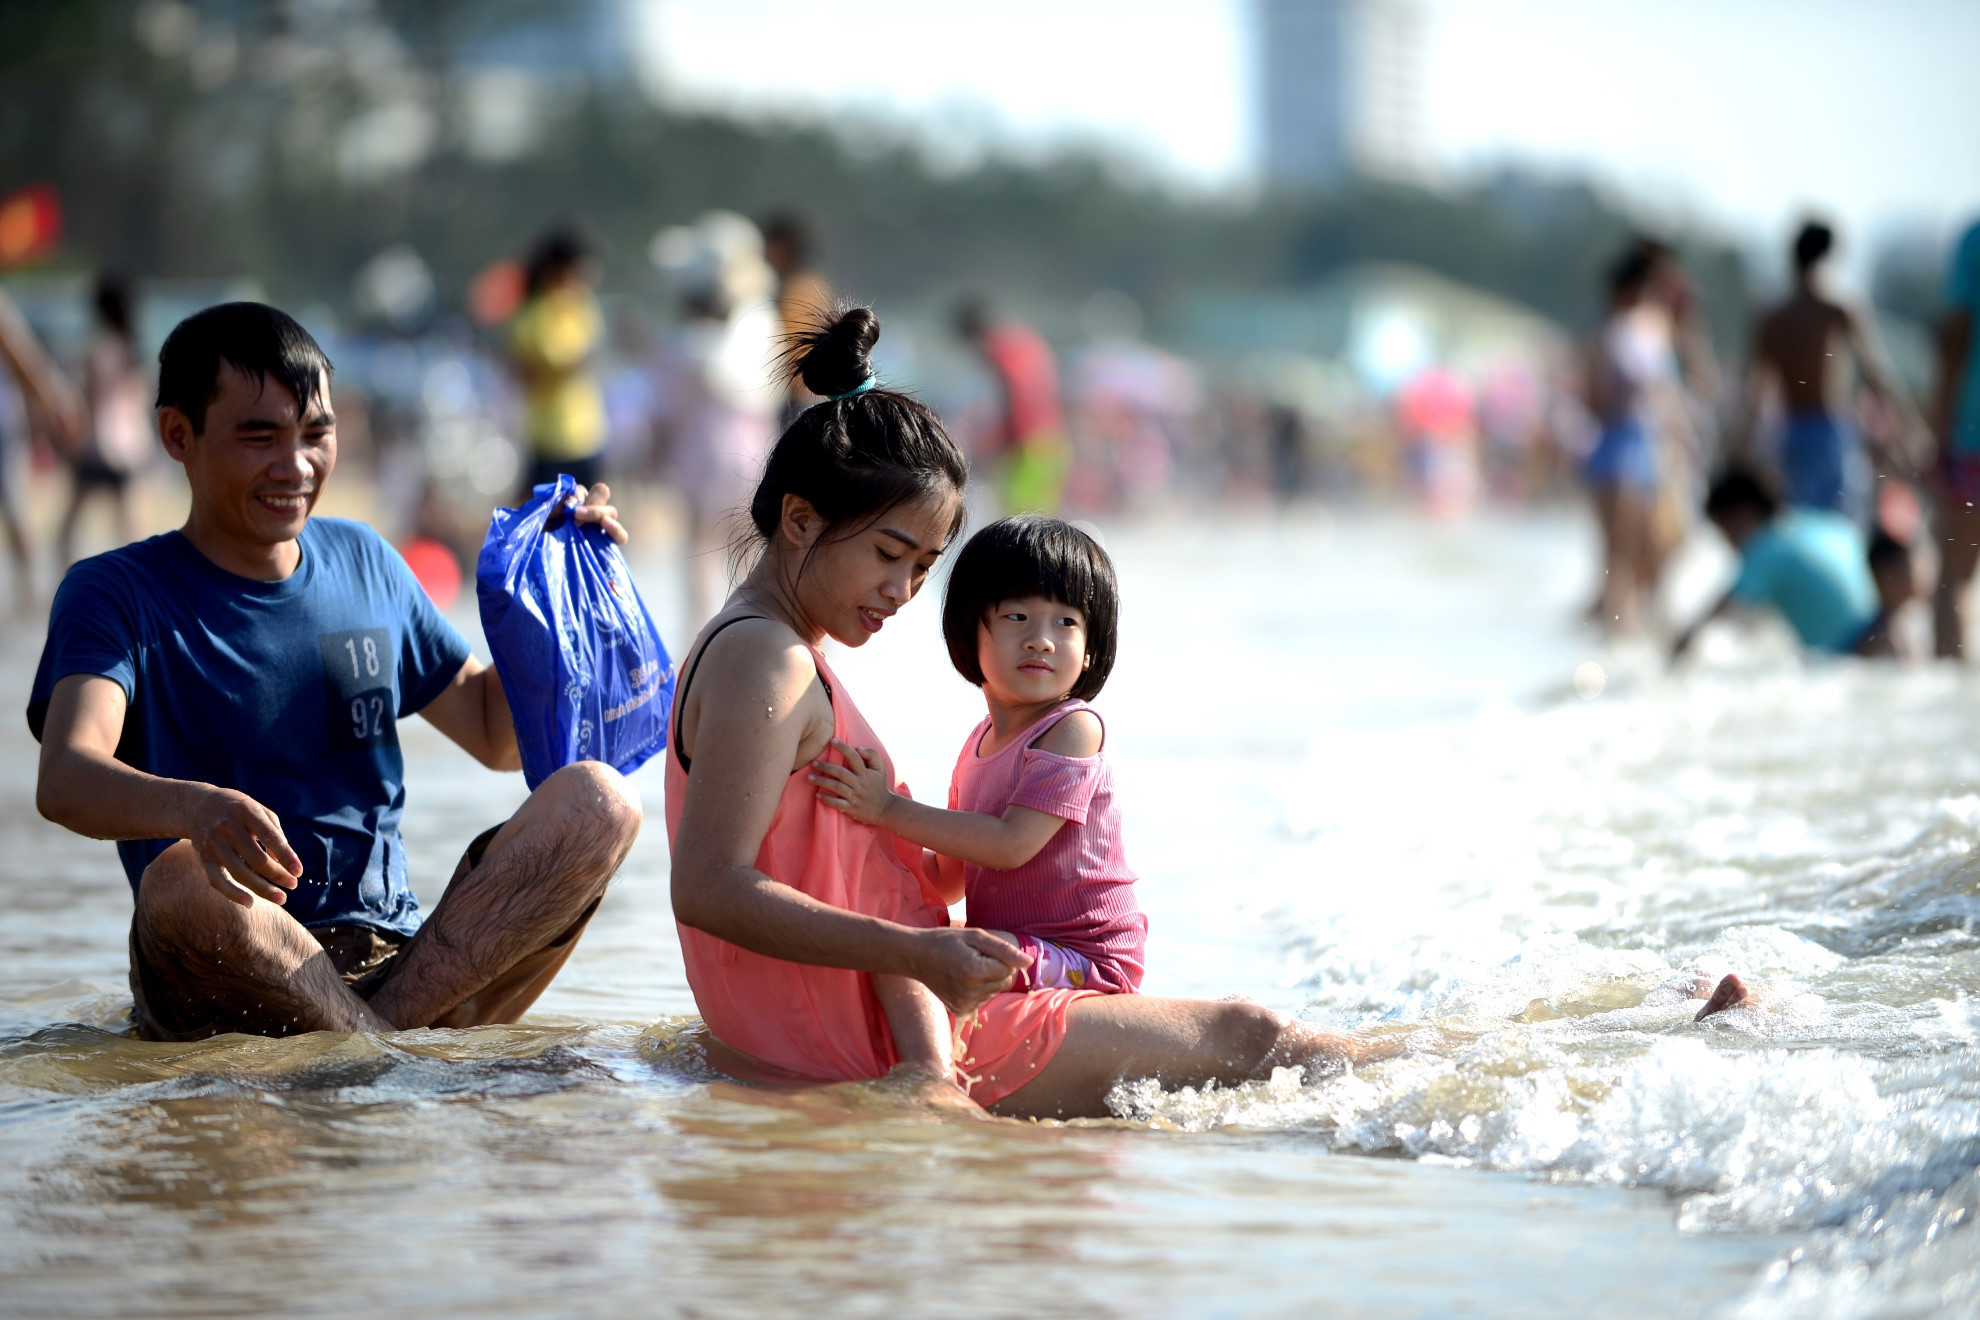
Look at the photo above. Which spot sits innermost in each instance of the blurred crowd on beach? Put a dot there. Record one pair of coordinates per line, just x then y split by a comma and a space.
480, 349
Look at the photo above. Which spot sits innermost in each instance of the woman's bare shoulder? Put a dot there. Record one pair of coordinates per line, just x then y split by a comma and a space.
753, 654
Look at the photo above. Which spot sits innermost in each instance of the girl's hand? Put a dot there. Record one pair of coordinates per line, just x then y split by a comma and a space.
859, 788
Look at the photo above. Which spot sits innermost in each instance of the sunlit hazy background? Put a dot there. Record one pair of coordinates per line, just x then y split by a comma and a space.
1337, 218
1316, 278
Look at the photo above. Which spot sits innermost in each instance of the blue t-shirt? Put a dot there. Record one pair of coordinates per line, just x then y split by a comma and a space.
1810, 565
1963, 294
286, 691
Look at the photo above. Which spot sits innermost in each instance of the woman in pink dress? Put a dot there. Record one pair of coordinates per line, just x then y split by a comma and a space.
818, 947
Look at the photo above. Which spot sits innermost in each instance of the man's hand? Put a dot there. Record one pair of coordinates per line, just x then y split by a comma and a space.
240, 844
964, 966
859, 788
595, 507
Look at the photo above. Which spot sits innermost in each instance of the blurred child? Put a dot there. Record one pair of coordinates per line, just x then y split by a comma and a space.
1807, 563
1032, 836
116, 436
1896, 576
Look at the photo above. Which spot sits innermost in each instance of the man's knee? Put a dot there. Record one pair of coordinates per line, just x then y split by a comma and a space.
177, 904
173, 892
595, 807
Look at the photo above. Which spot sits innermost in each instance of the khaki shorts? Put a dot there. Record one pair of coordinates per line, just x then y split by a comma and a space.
175, 1003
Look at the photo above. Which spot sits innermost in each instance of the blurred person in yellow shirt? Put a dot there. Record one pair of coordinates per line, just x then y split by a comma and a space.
552, 341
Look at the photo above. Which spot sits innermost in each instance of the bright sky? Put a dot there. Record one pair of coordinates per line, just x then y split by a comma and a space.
1745, 112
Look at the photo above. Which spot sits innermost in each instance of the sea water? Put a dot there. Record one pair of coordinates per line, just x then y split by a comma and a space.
1361, 785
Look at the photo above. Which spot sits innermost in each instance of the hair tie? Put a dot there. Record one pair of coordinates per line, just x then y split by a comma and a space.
858, 389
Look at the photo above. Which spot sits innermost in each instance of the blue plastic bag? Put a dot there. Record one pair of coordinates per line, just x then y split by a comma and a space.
580, 659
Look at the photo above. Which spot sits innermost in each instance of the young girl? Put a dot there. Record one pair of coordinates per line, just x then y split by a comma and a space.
1032, 836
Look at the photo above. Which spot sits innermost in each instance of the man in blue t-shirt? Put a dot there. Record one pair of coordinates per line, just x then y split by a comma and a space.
1808, 564
224, 700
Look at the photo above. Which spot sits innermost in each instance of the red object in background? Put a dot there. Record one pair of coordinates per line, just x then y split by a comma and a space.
435, 567
1435, 403
30, 225
496, 293
1024, 367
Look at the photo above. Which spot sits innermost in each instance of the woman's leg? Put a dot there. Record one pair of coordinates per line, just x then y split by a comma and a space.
1181, 1042
65, 532
1646, 549
126, 501
1959, 550
1615, 603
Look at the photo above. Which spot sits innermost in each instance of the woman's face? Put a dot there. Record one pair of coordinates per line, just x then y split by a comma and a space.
854, 584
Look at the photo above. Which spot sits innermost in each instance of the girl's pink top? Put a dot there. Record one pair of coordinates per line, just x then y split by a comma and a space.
1078, 892
824, 1023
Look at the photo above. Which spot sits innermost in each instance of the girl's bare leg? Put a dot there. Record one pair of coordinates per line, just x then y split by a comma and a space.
917, 1021
924, 1038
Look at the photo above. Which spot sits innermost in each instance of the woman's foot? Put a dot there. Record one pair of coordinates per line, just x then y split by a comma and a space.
1729, 993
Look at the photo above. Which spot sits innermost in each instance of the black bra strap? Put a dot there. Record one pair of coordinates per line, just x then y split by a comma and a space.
688, 682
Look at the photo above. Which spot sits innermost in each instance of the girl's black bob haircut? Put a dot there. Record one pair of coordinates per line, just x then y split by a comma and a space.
1032, 555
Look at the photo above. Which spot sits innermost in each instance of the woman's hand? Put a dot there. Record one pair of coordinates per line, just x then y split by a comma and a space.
859, 788
964, 966
595, 507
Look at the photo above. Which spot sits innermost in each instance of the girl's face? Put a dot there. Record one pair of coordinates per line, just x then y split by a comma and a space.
854, 584
1031, 650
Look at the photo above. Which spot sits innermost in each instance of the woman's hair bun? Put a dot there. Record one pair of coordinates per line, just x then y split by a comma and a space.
836, 357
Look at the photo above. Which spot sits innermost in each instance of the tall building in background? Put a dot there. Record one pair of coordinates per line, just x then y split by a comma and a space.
596, 40
1340, 89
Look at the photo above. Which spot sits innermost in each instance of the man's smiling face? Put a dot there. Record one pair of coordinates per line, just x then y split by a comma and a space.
259, 464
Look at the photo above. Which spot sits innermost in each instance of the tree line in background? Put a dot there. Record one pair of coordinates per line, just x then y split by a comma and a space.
292, 142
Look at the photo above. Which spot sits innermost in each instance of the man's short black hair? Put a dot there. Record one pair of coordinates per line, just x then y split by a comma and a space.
1737, 488
1812, 244
257, 339
1032, 555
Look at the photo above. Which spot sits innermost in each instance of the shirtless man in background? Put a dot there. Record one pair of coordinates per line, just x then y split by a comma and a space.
1815, 351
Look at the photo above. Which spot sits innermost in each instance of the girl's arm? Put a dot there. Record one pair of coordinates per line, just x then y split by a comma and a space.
1002, 843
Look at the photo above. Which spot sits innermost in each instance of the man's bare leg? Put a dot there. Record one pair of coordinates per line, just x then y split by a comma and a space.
486, 954
252, 968
503, 930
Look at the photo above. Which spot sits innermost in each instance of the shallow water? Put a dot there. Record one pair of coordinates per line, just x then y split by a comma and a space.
1358, 786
